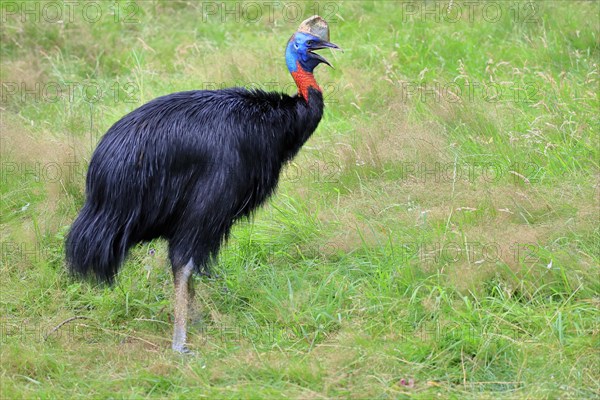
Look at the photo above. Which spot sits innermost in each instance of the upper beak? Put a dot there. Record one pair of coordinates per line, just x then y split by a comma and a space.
324, 45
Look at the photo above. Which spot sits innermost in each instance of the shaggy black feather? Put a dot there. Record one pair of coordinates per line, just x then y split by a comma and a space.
184, 167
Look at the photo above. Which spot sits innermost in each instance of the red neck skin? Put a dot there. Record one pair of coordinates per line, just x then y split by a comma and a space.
304, 80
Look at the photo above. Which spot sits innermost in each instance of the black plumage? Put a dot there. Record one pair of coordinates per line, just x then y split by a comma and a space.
184, 167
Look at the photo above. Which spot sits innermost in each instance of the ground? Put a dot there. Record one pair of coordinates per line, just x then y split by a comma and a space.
437, 236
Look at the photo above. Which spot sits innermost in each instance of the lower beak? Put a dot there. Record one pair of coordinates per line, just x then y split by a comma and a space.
324, 45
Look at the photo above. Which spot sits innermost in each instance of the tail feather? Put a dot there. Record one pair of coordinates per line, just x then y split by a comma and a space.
97, 244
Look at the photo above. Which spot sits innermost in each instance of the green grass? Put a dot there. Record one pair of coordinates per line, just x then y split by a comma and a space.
426, 233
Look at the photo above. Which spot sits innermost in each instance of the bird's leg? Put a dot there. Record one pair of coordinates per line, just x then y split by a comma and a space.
182, 296
192, 292
193, 312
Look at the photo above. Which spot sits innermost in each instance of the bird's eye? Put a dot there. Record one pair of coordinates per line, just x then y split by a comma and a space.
310, 42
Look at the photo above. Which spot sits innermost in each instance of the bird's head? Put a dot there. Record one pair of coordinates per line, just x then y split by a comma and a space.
313, 34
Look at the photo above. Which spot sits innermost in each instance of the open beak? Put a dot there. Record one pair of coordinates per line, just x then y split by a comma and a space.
323, 45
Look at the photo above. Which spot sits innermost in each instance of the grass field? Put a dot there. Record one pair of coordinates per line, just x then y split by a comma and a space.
437, 237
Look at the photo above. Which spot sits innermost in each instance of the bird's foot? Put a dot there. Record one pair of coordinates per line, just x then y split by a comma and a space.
183, 349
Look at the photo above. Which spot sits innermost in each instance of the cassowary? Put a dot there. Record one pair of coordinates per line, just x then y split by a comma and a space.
186, 166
